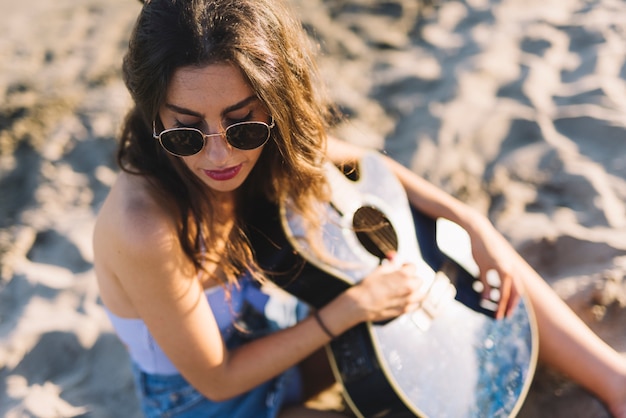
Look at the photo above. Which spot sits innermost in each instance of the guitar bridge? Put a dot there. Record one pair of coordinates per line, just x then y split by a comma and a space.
440, 292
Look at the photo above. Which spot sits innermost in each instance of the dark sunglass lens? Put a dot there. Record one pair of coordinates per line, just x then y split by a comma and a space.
247, 136
182, 142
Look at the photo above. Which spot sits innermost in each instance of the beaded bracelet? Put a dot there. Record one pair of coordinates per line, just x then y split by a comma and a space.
324, 328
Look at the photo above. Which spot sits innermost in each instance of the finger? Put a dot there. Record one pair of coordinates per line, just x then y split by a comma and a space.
491, 293
505, 297
514, 299
406, 291
394, 309
408, 288
403, 280
409, 269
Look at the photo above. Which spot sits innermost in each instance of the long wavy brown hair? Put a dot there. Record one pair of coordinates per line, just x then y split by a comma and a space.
264, 40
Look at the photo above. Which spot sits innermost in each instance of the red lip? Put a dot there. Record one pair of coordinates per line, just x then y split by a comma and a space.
223, 175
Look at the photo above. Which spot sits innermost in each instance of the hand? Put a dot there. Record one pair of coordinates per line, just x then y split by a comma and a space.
388, 292
493, 253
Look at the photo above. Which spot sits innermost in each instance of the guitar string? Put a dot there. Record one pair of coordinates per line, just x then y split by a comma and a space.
380, 232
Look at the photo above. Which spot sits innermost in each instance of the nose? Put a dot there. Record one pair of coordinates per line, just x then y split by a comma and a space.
217, 148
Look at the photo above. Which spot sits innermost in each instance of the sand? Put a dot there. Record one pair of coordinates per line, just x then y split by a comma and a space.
514, 106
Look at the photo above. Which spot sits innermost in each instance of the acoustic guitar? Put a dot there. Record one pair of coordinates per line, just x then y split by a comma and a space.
449, 358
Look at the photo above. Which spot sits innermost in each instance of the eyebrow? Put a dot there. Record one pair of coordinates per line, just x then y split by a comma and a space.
236, 106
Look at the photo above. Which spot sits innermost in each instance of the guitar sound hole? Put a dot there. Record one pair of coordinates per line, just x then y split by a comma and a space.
375, 232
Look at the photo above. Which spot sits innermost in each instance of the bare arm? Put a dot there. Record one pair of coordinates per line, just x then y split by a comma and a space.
423, 195
490, 249
141, 248
588, 359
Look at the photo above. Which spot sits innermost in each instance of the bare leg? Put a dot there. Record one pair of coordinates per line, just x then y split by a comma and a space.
569, 346
566, 344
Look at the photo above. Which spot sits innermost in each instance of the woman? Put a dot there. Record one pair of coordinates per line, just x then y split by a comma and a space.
228, 115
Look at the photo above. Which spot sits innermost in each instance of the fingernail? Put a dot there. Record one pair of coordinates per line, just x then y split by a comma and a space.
493, 278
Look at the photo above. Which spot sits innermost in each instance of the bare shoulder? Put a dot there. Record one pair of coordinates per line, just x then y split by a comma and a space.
135, 241
131, 216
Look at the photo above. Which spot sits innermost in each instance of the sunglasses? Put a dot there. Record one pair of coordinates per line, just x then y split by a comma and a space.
183, 142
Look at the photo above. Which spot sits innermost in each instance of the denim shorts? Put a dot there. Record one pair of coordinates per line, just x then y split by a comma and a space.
165, 396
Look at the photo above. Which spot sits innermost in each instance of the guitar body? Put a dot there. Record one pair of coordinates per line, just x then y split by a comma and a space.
456, 362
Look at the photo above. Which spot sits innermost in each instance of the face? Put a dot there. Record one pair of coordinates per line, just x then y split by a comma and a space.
210, 99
